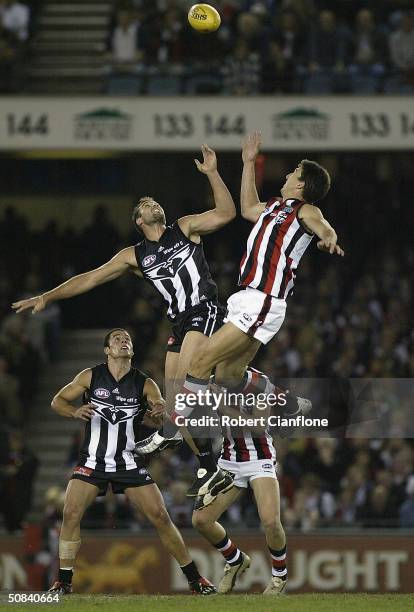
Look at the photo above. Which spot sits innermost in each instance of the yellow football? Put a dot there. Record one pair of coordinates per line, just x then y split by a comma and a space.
204, 18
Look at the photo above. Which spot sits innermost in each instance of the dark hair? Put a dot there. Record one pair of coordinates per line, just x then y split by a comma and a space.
137, 210
108, 335
316, 181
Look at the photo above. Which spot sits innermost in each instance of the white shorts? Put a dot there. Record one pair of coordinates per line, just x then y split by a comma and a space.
256, 314
246, 471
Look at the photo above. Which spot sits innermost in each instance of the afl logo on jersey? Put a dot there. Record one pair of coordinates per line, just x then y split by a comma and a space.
147, 261
101, 393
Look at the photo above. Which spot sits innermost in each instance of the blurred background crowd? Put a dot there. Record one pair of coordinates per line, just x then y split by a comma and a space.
262, 47
347, 318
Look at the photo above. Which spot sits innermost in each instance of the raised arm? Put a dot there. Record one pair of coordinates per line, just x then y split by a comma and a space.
251, 207
123, 261
314, 221
61, 403
224, 211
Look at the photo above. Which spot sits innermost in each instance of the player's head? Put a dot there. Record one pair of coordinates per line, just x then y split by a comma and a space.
309, 182
118, 344
147, 212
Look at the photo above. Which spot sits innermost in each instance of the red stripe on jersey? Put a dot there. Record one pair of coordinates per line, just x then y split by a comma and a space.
264, 445
252, 384
277, 249
255, 250
226, 449
242, 452
287, 276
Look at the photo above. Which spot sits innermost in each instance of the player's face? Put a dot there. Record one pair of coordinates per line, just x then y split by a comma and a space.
151, 212
293, 181
120, 345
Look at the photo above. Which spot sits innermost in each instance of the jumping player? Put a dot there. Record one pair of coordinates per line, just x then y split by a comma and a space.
283, 229
172, 259
118, 397
250, 457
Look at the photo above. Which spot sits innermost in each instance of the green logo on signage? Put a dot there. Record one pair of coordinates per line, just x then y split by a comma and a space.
301, 124
103, 124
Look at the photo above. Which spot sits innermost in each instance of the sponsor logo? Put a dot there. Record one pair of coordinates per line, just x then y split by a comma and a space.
247, 317
267, 466
147, 261
101, 393
195, 324
82, 471
143, 471
301, 124
195, 319
171, 340
103, 124
115, 390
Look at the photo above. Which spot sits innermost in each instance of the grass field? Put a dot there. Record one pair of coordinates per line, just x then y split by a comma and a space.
230, 603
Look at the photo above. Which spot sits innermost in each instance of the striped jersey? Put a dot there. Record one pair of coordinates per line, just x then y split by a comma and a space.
242, 445
111, 433
177, 268
274, 248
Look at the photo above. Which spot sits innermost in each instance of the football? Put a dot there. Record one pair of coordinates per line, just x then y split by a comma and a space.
204, 18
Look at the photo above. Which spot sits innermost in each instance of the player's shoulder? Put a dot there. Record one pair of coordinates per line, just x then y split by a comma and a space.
273, 202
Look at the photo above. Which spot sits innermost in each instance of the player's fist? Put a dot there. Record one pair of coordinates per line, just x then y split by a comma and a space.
251, 146
84, 413
36, 303
329, 246
209, 160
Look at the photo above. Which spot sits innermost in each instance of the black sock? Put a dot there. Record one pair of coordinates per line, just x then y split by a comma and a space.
206, 456
65, 575
190, 571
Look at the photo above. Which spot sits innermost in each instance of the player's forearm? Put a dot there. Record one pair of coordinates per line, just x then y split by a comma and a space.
63, 407
222, 197
248, 193
74, 286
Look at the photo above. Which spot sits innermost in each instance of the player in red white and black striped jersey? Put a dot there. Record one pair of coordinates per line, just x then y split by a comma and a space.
250, 457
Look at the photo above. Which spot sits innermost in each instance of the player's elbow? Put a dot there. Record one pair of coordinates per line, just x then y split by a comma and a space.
249, 215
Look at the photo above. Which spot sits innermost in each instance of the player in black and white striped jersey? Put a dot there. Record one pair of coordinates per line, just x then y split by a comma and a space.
171, 258
118, 398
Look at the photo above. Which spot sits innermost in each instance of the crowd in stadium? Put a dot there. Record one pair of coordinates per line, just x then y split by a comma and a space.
262, 47
354, 324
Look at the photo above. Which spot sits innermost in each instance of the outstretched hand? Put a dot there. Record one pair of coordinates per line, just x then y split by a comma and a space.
328, 246
251, 146
209, 160
36, 303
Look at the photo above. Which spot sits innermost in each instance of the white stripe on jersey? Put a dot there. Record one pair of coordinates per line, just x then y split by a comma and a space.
129, 447
261, 254
110, 465
282, 258
296, 255
256, 229
167, 297
195, 279
179, 292
94, 441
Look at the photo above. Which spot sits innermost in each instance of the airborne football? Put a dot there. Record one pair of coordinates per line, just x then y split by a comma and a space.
204, 18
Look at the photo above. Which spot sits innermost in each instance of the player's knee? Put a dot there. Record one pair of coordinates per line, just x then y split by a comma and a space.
159, 517
200, 520
72, 514
272, 524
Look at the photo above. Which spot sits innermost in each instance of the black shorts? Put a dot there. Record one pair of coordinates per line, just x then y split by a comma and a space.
206, 318
119, 481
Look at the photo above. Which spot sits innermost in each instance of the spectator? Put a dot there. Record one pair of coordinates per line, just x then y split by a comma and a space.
125, 43
367, 50
402, 51
285, 52
242, 71
8, 60
406, 513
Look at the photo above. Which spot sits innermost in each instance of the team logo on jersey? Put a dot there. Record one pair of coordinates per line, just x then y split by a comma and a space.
82, 471
101, 393
116, 414
247, 317
147, 261
169, 268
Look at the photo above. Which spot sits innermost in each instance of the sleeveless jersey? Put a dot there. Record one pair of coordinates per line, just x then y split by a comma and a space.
239, 444
274, 248
178, 270
119, 408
